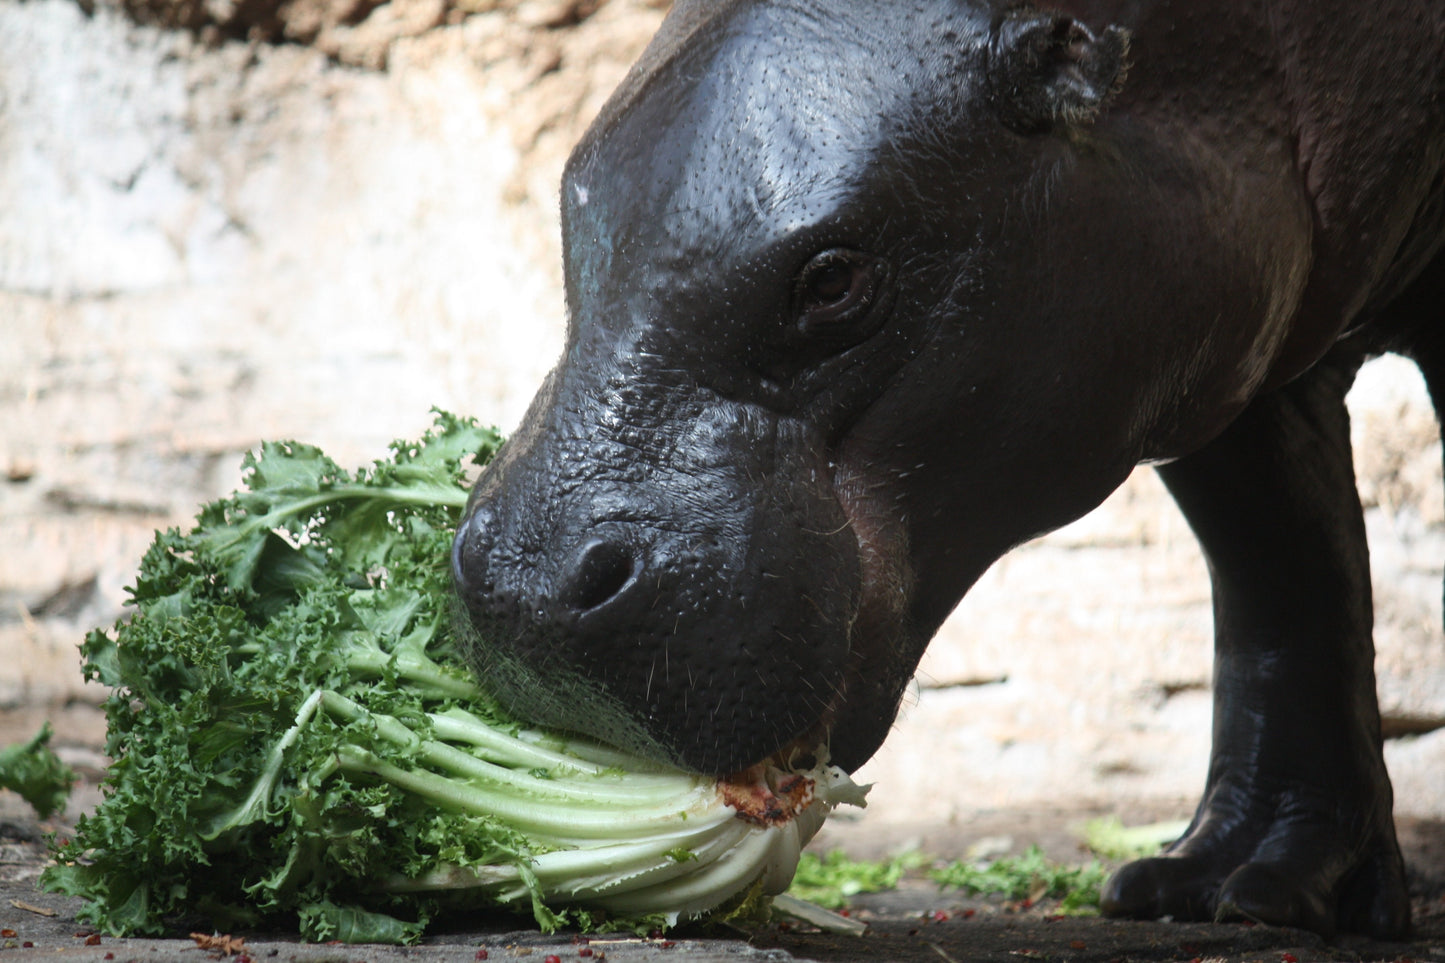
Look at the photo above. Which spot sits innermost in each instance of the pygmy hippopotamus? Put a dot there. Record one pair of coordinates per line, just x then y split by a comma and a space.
863, 294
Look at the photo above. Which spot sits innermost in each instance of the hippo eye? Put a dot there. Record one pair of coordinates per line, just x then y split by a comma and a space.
835, 292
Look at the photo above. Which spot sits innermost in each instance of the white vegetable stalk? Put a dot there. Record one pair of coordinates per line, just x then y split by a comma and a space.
629, 842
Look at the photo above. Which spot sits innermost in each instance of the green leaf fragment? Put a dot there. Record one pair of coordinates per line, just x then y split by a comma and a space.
1111, 839
324, 921
37, 773
832, 880
1031, 875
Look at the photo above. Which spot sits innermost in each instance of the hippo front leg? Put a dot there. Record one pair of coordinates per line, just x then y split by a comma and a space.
1295, 826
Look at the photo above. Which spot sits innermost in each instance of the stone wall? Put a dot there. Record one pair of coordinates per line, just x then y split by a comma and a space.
247, 219
203, 244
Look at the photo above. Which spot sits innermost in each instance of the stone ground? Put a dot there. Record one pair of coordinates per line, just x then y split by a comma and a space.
223, 222
916, 922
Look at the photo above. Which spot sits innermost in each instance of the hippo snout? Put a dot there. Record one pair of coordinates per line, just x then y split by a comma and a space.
689, 616
596, 569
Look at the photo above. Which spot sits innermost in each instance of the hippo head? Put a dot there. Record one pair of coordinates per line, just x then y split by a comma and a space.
820, 370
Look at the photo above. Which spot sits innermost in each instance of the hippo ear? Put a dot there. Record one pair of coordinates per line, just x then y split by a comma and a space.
1047, 69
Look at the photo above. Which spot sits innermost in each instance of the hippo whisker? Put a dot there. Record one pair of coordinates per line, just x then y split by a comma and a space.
845, 524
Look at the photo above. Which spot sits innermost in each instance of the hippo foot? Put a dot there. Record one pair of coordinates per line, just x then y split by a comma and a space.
1290, 867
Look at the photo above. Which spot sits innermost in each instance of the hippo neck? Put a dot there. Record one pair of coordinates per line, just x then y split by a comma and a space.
1379, 96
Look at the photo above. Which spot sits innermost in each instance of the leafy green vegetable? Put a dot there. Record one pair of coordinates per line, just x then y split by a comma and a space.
296, 738
1029, 876
1111, 839
37, 774
834, 879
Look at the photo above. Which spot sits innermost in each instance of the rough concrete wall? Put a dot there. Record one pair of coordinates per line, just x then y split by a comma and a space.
207, 238
206, 245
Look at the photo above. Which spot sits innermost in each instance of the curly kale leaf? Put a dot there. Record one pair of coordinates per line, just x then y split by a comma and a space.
310, 579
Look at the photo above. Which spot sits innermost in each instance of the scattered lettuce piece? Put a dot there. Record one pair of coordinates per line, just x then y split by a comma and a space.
37, 774
1028, 876
1111, 839
832, 880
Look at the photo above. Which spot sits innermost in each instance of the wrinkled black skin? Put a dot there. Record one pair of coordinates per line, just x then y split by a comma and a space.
722, 529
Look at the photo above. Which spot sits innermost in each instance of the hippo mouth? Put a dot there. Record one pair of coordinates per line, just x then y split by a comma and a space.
883, 648
856, 722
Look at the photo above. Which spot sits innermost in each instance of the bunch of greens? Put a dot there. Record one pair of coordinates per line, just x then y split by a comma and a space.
295, 737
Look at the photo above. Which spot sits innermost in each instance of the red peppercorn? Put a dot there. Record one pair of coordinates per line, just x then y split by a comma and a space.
481, 954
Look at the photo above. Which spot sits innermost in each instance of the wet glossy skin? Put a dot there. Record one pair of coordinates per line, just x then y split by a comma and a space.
861, 295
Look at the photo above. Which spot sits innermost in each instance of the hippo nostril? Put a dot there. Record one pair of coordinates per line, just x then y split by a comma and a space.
603, 570
469, 552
